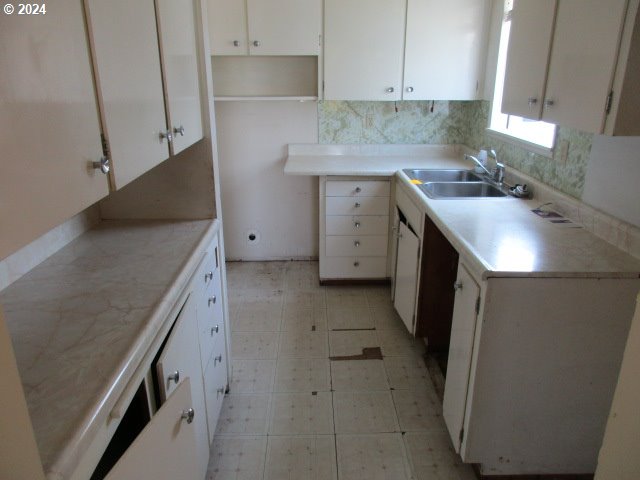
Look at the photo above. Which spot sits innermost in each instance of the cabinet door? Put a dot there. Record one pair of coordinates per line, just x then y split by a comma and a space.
284, 27
166, 448
460, 349
127, 61
179, 361
582, 64
180, 68
406, 275
528, 57
444, 44
363, 49
215, 385
228, 27
50, 130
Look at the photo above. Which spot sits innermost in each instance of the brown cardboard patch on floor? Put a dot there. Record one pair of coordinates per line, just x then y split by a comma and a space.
368, 353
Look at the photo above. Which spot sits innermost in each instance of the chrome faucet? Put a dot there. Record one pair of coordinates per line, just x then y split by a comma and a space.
497, 174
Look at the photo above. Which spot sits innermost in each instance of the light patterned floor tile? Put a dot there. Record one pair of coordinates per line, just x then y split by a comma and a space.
346, 297
252, 376
351, 343
259, 317
379, 296
237, 458
303, 345
386, 318
302, 375
372, 457
405, 373
254, 346
309, 457
244, 414
349, 318
314, 298
301, 413
364, 412
432, 457
303, 319
418, 410
400, 343
358, 375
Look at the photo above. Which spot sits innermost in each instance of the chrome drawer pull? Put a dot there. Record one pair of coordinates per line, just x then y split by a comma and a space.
356, 264
357, 205
175, 376
457, 286
356, 243
212, 300
356, 224
188, 415
217, 359
208, 276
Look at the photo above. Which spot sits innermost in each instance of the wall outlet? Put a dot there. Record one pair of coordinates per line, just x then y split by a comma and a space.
368, 120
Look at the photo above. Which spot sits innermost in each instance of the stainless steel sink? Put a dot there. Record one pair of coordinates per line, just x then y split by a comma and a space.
461, 190
445, 175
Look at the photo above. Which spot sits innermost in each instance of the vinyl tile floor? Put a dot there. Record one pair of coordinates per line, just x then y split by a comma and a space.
293, 413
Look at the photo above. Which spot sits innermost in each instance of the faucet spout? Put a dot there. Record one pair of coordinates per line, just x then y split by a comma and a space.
479, 163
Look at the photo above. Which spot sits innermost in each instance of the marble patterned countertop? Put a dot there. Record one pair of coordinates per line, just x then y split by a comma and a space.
83, 319
500, 237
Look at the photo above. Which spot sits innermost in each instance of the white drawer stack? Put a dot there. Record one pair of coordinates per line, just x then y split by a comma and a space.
356, 229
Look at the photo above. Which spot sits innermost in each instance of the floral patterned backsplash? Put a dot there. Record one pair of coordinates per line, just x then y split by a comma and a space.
449, 122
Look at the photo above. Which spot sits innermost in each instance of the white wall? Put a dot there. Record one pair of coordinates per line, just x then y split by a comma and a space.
619, 457
613, 176
256, 195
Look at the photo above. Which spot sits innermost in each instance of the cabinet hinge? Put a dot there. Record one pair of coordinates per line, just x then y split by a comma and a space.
609, 102
477, 305
105, 146
461, 435
320, 40
323, 86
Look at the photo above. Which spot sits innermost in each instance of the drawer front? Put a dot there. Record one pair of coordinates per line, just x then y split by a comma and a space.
353, 245
357, 206
364, 188
210, 318
215, 384
355, 267
357, 225
414, 214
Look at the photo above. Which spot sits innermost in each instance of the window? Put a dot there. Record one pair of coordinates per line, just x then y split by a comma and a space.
536, 135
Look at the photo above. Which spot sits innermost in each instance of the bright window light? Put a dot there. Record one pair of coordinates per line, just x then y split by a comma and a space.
536, 132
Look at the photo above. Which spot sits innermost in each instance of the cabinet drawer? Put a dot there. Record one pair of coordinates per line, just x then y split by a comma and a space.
413, 213
355, 267
357, 225
353, 245
210, 319
364, 188
215, 384
357, 206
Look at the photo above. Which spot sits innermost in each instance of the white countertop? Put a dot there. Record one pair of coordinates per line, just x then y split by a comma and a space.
501, 237
83, 319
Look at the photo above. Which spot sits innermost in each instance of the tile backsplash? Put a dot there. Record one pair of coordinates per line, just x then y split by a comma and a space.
451, 122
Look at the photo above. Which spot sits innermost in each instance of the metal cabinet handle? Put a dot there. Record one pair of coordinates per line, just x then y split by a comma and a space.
256, 43
175, 376
215, 329
166, 135
357, 243
390, 90
356, 224
236, 43
188, 415
357, 205
217, 359
208, 276
220, 391
531, 101
356, 264
103, 164
179, 130
457, 286
409, 89
549, 103
212, 300
358, 189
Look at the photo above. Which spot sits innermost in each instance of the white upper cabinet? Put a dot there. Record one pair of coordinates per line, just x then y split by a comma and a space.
50, 131
404, 50
127, 61
580, 41
444, 49
363, 49
528, 57
265, 27
180, 64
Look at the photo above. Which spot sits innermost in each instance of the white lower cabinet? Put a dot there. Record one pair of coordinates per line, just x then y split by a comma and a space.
354, 225
406, 278
215, 385
166, 448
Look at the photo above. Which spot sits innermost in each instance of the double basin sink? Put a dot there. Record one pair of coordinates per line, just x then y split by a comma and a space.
450, 183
